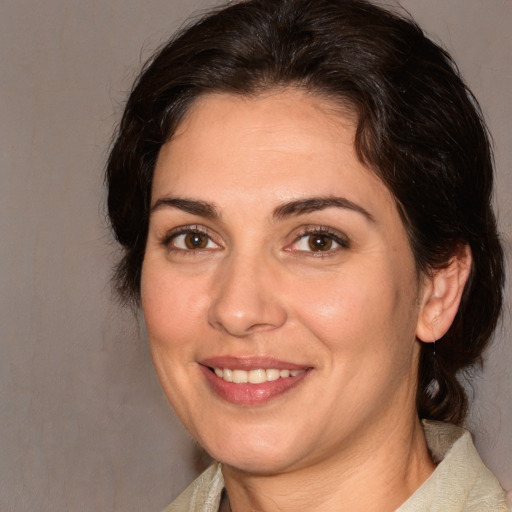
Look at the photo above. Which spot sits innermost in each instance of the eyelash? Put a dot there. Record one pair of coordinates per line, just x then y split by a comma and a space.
336, 237
172, 235
329, 233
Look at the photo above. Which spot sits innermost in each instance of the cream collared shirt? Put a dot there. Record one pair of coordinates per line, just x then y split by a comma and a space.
460, 482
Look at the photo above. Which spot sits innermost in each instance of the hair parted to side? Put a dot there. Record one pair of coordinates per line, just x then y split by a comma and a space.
419, 129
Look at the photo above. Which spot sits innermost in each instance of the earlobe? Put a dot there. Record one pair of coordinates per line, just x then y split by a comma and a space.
441, 296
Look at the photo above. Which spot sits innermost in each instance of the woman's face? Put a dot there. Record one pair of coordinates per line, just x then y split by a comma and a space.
275, 257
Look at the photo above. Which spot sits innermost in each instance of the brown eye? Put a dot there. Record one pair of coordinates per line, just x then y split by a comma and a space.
191, 240
196, 240
320, 242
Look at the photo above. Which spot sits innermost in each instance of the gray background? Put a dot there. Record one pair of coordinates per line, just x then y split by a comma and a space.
83, 423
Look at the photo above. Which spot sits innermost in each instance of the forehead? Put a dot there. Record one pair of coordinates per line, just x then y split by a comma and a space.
294, 104
289, 134
247, 156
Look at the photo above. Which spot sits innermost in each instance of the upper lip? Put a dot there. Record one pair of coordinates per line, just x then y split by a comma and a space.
250, 363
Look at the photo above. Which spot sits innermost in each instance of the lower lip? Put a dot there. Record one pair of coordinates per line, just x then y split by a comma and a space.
251, 394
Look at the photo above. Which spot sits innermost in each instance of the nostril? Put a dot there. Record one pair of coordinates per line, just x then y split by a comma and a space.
245, 299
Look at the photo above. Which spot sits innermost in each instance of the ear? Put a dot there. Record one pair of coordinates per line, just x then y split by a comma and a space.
440, 297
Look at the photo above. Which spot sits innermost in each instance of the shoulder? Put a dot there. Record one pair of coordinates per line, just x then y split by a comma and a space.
202, 495
461, 482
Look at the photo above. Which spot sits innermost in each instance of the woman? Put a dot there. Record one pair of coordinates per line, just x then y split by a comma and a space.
302, 189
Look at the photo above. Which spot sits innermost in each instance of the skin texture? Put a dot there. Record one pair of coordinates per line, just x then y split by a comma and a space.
350, 314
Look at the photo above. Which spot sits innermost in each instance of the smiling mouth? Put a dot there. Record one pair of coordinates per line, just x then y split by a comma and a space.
256, 376
252, 381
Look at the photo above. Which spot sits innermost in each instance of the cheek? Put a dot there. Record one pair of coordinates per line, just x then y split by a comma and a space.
363, 315
171, 318
172, 306
341, 303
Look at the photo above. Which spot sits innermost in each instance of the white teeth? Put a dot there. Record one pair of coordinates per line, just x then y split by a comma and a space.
240, 376
257, 376
272, 375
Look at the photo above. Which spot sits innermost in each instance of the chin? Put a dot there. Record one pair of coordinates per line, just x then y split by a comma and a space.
257, 463
262, 453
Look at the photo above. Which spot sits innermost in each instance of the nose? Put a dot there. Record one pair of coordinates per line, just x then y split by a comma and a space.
246, 297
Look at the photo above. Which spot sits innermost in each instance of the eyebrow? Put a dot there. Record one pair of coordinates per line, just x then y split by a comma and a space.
192, 206
289, 209
313, 204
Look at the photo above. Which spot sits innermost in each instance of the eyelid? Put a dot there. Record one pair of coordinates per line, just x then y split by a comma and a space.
170, 235
337, 236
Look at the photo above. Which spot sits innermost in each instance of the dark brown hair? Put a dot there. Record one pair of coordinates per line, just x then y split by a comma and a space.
419, 129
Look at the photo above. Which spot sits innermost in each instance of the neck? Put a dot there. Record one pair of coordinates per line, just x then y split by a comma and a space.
364, 476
